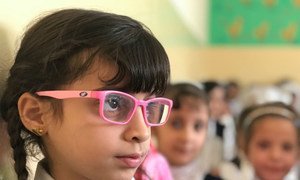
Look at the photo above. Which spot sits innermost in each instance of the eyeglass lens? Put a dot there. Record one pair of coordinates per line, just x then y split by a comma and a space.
119, 108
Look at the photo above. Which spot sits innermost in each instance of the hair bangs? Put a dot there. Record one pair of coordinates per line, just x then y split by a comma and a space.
143, 63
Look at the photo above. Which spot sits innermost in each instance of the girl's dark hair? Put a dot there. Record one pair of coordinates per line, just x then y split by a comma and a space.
252, 114
179, 91
61, 47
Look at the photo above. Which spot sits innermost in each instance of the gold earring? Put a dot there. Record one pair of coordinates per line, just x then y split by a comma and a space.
38, 131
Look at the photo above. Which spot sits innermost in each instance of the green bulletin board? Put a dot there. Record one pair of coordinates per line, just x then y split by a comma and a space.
254, 21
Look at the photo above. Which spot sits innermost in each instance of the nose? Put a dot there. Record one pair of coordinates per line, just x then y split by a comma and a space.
137, 130
186, 134
275, 153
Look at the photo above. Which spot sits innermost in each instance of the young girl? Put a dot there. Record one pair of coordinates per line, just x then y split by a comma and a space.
183, 136
83, 89
269, 137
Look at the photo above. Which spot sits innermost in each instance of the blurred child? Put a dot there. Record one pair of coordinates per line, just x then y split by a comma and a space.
84, 89
232, 97
269, 142
183, 136
220, 144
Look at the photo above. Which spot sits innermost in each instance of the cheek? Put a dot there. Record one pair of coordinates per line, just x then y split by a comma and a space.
254, 154
257, 161
261, 158
166, 139
200, 139
292, 157
166, 131
80, 131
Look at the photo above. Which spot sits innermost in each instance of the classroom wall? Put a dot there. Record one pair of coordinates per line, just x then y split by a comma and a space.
247, 65
191, 58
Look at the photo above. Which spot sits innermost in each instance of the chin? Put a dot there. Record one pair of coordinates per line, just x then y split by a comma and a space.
120, 175
273, 177
182, 162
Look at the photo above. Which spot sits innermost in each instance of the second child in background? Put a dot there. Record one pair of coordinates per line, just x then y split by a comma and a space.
182, 137
273, 140
269, 144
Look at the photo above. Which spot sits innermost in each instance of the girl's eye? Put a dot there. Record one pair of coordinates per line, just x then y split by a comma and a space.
117, 108
112, 104
287, 147
176, 124
198, 126
263, 145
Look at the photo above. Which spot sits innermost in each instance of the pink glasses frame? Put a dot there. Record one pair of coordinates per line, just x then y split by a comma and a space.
65, 94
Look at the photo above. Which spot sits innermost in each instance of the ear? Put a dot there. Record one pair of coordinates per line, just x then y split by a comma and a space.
32, 112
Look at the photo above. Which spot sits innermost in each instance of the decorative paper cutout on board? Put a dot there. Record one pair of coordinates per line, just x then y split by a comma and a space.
254, 21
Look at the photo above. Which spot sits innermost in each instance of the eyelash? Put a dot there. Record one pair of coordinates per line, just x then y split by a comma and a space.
198, 126
177, 124
286, 146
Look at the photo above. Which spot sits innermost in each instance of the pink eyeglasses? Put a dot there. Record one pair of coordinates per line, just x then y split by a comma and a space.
118, 107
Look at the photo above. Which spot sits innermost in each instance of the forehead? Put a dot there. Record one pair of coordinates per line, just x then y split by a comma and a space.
192, 108
192, 102
217, 92
95, 77
274, 126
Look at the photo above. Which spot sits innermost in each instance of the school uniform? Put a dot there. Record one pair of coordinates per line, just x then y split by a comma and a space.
224, 129
41, 173
192, 171
238, 168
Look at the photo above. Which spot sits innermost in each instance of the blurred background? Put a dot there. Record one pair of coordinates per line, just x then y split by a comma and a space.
249, 46
248, 41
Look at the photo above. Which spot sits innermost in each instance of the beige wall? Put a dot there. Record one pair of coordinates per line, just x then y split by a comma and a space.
246, 64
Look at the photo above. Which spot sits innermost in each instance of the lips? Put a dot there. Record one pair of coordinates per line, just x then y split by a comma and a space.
182, 150
275, 169
132, 160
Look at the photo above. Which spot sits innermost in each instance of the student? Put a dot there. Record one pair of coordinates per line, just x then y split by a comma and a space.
84, 88
220, 144
183, 136
232, 96
269, 138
